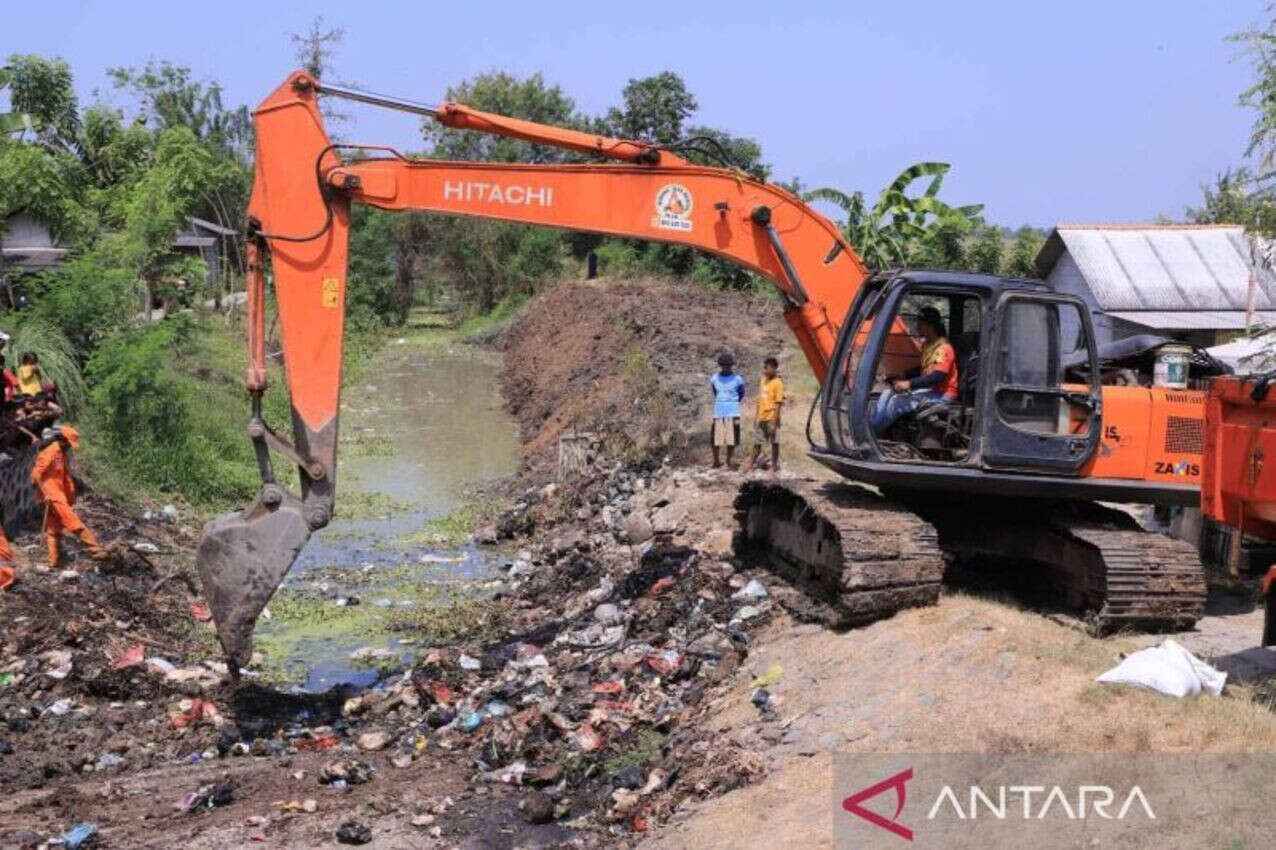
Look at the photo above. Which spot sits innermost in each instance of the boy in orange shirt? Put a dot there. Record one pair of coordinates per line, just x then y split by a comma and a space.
766, 427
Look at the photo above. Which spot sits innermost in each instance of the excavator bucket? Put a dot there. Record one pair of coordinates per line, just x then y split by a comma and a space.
241, 559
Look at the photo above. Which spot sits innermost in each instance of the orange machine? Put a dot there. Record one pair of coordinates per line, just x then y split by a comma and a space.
1238, 486
1022, 428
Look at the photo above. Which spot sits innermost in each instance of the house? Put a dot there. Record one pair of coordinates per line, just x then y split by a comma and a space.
1188, 282
26, 245
210, 242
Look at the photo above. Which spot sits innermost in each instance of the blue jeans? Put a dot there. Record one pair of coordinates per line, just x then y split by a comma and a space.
892, 405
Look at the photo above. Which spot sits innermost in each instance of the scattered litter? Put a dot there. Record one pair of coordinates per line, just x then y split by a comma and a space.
193, 712
59, 708
468, 662
1169, 669
57, 663
161, 664
77, 836
200, 612
208, 797
771, 676
373, 741
353, 832
146, 548
130, 657
308, 805
753, 590
346, 771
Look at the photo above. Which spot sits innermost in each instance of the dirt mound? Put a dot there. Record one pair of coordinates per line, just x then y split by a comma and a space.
629, 359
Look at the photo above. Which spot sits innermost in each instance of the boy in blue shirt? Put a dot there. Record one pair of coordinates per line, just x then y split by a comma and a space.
728, 392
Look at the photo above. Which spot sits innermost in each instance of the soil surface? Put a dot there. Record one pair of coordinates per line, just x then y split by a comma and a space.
626, 682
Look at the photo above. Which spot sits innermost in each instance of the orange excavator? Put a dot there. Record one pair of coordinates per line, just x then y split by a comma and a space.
1011, 469
1238, 486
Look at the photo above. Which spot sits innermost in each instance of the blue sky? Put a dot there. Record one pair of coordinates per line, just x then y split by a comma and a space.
1049, 112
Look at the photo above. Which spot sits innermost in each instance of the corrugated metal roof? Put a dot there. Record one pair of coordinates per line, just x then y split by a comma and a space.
1192, 320
1161, 267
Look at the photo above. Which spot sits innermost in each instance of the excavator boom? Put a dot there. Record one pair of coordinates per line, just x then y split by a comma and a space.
299, 218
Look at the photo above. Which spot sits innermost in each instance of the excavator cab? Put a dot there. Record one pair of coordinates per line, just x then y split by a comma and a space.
1017, 410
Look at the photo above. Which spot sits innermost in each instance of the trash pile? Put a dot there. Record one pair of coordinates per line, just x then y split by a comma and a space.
581, 705
91, 654
616, 638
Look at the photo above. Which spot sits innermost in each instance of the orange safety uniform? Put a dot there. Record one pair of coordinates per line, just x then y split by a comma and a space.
52, 478
8, 561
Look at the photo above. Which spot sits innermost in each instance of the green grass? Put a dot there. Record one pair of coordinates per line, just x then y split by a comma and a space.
454, 528
482, 328
370, 504
640, 750
216, 467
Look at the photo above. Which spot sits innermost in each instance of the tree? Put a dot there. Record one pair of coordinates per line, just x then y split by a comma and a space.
1236, 198
531, 99
900, 227
156, 208
1259, 44
42, 90
986, 250
168, 97
39, 168
314, 50
315, 47
1022, 261
654, 108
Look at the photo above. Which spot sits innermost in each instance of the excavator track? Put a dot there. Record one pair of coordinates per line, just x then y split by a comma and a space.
854, 556
1093, 558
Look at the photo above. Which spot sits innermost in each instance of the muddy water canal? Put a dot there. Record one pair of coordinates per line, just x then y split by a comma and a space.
422, 427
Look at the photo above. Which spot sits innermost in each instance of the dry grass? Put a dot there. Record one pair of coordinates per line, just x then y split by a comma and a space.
969, 675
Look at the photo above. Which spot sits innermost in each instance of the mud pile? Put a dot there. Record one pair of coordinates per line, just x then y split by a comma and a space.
629, 359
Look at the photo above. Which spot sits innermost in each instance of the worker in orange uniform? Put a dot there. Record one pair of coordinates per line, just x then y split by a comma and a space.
52, 477
8, 561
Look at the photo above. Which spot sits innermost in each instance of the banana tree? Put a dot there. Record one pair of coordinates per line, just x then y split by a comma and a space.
899, 225
12, 122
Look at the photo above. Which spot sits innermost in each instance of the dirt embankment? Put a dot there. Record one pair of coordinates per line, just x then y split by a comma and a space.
630, 360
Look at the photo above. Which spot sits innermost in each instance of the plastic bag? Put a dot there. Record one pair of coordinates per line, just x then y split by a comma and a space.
1169, 669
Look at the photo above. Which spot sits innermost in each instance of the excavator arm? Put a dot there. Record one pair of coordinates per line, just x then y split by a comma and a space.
299, 218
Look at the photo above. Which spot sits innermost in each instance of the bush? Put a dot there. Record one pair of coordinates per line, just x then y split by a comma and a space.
84, 299
161, 427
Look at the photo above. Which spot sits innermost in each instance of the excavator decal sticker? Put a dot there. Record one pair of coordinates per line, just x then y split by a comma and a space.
495, 193
673, 207
331, 293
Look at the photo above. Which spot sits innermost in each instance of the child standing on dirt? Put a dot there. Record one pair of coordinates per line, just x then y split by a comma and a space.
766, 428
728, 392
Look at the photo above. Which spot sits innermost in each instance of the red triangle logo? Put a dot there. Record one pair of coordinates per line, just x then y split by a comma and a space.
852, 804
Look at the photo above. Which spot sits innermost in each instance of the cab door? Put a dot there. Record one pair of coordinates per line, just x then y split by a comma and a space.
1035, 417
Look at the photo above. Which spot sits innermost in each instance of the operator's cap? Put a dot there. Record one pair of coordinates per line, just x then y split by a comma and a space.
4, 337
49, 434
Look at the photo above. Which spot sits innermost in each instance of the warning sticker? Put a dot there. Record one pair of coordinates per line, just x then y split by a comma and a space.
331, 292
